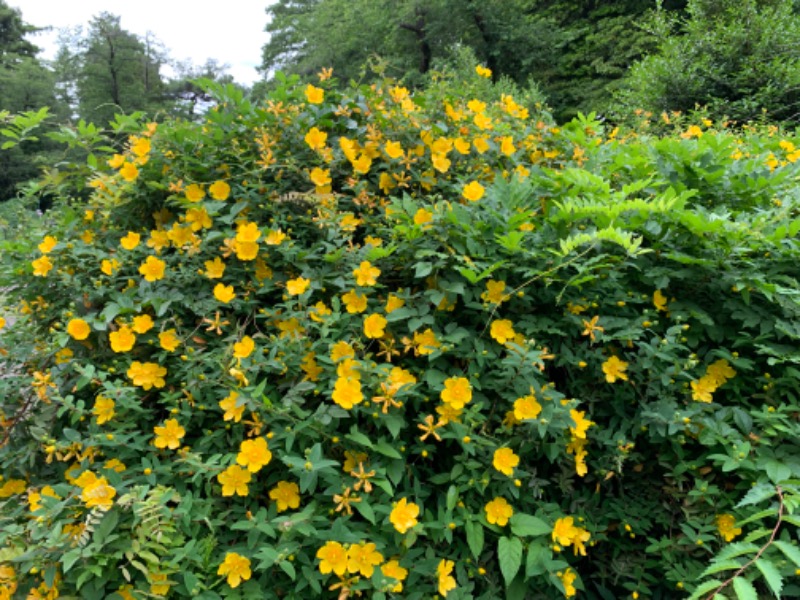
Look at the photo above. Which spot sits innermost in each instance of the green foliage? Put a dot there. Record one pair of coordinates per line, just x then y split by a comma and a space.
510, 356
734, 58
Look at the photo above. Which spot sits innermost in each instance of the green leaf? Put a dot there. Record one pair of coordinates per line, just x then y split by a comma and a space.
790, 551
69, 559
366, 511
509, 555
536, 562
709, 586
288, 568
744, 589
452, 497
771, 575
718, 566
528, 525
359, 438
474, 537
387, 450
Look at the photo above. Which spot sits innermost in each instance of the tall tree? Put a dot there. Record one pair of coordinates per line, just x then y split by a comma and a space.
118, 71
576, 50
738, 58
14, 47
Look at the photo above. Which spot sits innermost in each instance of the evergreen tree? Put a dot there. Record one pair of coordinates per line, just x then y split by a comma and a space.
740, 59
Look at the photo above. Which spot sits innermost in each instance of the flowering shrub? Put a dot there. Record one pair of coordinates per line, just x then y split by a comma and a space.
368, 342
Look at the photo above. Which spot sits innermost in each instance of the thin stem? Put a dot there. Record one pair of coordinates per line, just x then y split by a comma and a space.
760, 551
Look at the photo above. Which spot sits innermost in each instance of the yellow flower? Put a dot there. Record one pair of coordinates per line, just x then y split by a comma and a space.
333, 557
726, 527
116, 161
194, 193
614, 368
320, 177
219, 190
319, 311
502, 331
254, 454
42, 266
404, 515
393, 303
247, 232
130, 241
103, 409
286, 494
169, 340
109, 266
122, 340
349, 368
720, 372
234, 480
393, 569
143, 323
443, 573
152, 269
244, 348
197, 217
169, 436
703, 388
425, 343
457, 392
505, 460
374, 326
297, 286
236, 567
98, 493
147, 375
393, 149
498, 511
347, 392
567, 579
362, 558
275, 238
354, 302
581, 423
78, 329
229, 405
224, 293
423, 217
483, 71
481, 145
507, 145
47, 244
563, 531
660, 301
366, 274
342, 350
129, 172
314, 95
316, 139
526, 408
473, 191
214, 268
12, 487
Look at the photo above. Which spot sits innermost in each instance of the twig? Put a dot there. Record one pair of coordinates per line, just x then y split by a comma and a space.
760, 551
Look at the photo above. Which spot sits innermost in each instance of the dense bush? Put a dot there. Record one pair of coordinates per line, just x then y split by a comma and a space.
359, 342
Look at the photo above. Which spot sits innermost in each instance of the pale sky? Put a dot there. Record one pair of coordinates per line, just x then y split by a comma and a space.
231, 32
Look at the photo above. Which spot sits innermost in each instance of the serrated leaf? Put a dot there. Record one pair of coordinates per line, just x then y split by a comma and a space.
474, 537
705, 588
528, 525
789, 550
736, 549
771, 575
718, 566
509, 555
744, 589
